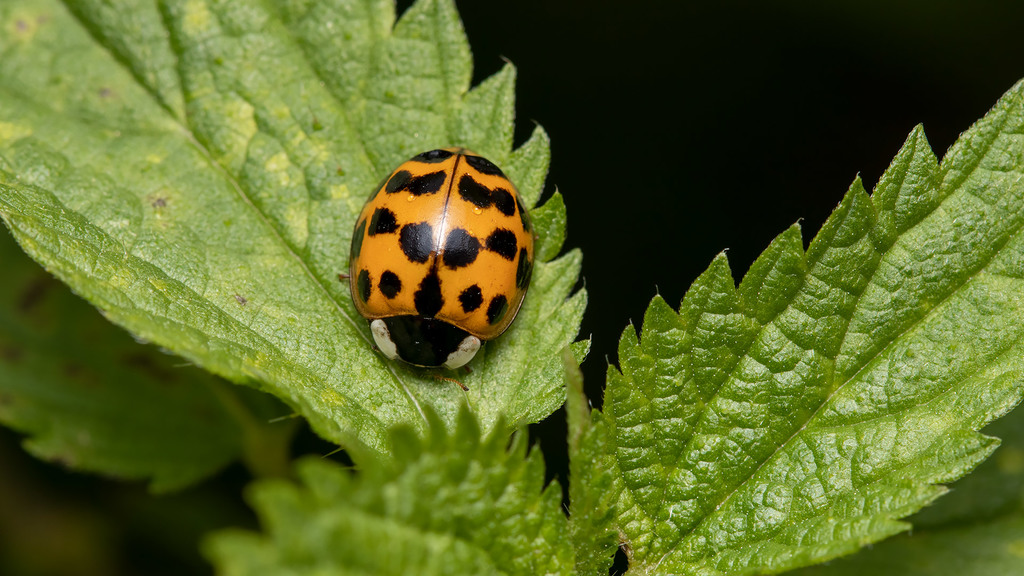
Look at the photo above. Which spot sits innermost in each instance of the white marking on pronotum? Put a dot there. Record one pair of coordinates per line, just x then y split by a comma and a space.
382, 337
464, 353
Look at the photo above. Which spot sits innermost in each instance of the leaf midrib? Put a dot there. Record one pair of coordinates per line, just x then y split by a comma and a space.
190, 136
938, 305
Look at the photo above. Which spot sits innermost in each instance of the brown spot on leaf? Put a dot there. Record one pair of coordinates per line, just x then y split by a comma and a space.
159, 202
241, 299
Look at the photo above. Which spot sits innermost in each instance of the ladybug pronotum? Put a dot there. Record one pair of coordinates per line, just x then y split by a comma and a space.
441, 258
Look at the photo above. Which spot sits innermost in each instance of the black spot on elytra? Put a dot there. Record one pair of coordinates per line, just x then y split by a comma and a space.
398, 181
363, 285
496, 309
503, 243
390, 285
504, 201
428, 299
357, 240
417, 241
433, 156
471, 298
484, 166
460, 249
472, 191
523, 270
425, 184
383, 222
522, 214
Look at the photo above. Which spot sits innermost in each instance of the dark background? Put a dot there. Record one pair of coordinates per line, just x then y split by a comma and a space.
682, 129
678, 130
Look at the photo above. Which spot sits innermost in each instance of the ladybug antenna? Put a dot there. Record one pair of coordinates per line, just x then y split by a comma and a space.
452, 380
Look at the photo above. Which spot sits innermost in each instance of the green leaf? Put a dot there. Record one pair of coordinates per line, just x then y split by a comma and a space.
549, 226
994, 548
978, 528
592, 490
995, 487
800, 416
91, 398
450, 503
196, 170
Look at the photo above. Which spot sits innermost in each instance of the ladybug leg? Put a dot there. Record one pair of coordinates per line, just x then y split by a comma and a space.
343, 277
452, 380
467, 369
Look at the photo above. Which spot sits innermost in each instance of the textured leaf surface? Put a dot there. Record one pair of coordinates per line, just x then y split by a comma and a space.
91, 398
978, 528
592, 488
801, 415
195, 169
995, 488
448, 504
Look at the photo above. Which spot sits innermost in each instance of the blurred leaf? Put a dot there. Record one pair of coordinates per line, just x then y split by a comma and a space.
91, 398
450, 503
992, 548
196, 171
800, 416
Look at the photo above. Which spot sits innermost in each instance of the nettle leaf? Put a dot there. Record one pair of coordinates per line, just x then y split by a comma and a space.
801, 415
978, 528
195, 170
450, 503
91, 398
995, 487
593, 489
993, 548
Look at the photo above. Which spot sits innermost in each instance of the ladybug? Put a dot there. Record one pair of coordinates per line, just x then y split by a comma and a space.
441, 258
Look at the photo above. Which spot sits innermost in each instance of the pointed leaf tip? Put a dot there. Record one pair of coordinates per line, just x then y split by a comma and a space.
270, 174
846, 359
528, 166
456, 500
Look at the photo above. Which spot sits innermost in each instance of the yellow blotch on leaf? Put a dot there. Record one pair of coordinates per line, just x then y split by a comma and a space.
11, 132
197, 17
280, 164
339, 191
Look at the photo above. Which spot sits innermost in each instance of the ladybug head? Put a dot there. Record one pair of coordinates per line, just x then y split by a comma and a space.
425, 342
